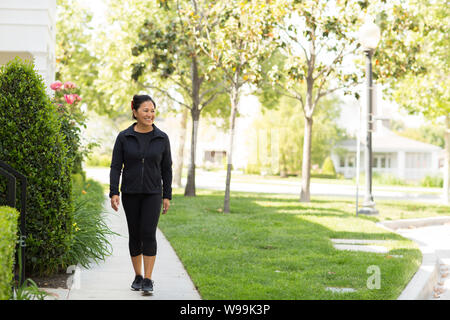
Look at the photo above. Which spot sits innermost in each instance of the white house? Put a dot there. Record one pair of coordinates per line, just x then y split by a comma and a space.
391, 154
28, 30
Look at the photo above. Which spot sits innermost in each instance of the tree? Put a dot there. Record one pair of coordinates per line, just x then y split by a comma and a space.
113, 45
281, 124
239, 38
318, 41
417, 31
75, 60
170, 60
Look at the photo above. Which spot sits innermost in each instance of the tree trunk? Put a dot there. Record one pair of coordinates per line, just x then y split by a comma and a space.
234, 103
195, 112
306, 161
180, 152
190, 183
446, 176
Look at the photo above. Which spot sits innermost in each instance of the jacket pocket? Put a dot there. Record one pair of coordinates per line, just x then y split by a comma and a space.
152, 180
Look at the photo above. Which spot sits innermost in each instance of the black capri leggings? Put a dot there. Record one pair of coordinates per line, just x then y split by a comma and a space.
142, 211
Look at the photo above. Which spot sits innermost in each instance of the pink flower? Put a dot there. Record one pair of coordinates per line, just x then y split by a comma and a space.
77, 97
70, 98
56, 85
69, 85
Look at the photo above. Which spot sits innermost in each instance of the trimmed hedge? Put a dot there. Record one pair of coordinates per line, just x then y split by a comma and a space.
328, 167
8, 238
31, 141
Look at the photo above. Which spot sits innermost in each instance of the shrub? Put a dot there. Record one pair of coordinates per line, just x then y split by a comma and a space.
252, 169
8, 237
389, 179
67, 102
432, 181
328, 167
91, 233
323, 176
31, 141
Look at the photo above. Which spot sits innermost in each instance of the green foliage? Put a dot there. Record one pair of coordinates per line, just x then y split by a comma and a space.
432, 182
98, 160
432, 134
322, 175
388, 179
328, 167
32, 143
8, 238
29, 291
413, 53
90, 241
75, 57
168, 57
72, 119
252, 168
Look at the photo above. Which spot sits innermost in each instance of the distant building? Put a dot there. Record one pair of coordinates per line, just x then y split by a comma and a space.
28, 30
392, 154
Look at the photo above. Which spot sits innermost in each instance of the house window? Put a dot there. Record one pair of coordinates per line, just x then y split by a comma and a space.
341, 162
351, 161
381, 161
418, 160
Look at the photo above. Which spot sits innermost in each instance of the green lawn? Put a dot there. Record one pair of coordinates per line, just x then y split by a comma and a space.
273, 247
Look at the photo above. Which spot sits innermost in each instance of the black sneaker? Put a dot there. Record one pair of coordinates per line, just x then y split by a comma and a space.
137, 283
147, 286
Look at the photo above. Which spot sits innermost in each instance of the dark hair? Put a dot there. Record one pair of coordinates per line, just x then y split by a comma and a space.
139, 99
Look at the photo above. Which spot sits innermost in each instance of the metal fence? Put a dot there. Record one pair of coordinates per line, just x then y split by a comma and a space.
12, 175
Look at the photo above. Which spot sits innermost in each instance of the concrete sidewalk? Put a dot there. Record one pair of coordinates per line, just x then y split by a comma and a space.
111, 280
432, 235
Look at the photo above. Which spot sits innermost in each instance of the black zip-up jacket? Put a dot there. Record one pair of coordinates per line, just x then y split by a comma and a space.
142, 171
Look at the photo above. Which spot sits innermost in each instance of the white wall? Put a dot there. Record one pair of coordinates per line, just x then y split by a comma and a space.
28, 30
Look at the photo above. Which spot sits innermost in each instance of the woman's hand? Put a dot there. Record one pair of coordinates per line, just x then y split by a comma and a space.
166, 205
115, 202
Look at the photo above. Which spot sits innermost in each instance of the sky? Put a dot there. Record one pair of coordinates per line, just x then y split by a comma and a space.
349, 109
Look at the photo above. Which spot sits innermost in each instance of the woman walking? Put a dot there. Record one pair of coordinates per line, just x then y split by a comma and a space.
143, 150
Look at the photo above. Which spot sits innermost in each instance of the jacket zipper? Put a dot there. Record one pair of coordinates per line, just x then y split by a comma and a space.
142, 177
143, 164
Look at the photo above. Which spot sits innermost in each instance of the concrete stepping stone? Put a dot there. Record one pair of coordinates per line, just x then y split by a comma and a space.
340, 290
357, 241
363, 248
359, 245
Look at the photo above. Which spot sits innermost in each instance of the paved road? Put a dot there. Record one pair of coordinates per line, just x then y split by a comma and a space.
216, 181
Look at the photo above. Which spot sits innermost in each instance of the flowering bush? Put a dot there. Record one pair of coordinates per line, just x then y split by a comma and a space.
67, 100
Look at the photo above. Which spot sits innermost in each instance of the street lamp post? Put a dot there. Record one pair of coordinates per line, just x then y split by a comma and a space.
369, 35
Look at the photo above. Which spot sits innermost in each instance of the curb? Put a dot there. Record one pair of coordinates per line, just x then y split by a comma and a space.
421, 285
417, 223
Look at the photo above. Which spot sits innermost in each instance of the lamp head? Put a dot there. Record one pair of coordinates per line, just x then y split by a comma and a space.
369, 34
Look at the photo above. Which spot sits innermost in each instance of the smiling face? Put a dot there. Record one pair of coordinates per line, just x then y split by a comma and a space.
145, 114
